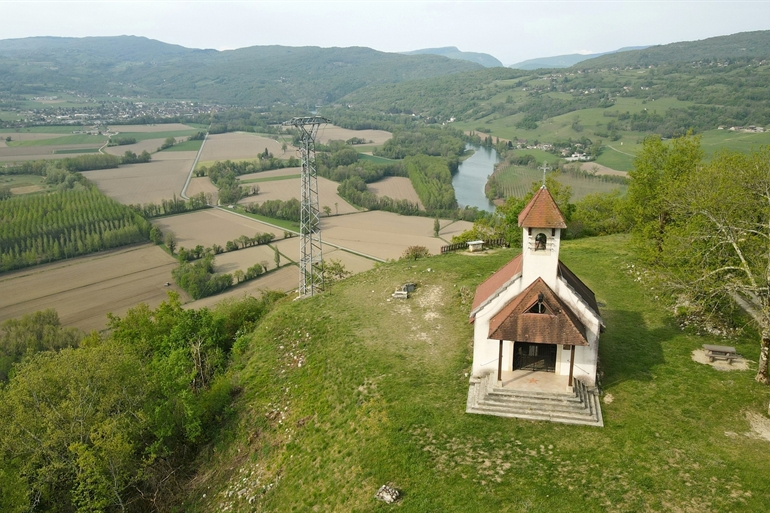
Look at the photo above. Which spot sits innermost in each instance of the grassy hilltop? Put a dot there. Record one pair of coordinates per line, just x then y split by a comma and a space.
347, 391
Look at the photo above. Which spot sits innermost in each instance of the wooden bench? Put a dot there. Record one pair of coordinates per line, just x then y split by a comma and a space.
720, 353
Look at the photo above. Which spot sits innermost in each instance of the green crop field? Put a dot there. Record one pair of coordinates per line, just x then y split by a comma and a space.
57, 129
67, 139
375, 159
271, 179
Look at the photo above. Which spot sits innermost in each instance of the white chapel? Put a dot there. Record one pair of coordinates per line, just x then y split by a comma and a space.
536, 331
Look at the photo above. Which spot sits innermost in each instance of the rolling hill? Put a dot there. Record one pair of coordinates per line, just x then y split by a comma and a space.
259, 75
452, 52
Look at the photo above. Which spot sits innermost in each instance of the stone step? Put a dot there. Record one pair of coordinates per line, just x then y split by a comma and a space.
487, 399
514, 395
585, 420
568, 408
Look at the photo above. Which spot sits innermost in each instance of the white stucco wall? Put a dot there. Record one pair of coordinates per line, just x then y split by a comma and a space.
486, 351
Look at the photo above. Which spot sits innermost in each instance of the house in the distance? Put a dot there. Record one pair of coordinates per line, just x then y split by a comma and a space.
536, 331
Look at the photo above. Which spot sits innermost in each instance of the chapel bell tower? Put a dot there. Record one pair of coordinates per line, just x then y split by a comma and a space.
542, 223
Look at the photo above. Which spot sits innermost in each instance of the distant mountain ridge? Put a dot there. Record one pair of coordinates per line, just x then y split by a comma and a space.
452, 52
258, 75
744, 45
566, 61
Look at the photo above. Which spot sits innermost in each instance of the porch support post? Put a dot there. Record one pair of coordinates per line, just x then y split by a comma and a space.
571, 364
500, 364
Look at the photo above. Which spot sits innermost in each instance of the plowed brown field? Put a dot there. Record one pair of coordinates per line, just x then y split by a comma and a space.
288, 189
334, 133
161, 178
242, 145
83, 290
211, 226
397, 188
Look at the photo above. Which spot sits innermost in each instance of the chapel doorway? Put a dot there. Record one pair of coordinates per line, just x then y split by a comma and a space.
536, 357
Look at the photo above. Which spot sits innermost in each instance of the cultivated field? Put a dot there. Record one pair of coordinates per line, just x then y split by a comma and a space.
211, 226
242, 145
22, 153
334, 133
599, 169
289, 248
83, 290
166, 127
275, 173
244, 258
161, 178
285, 280
149, 145
383, 234
397, 188
288, 189
204, 185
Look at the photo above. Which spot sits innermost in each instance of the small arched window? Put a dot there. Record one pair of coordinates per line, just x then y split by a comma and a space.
540, 240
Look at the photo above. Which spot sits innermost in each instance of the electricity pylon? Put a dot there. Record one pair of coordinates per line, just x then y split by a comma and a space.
310, 257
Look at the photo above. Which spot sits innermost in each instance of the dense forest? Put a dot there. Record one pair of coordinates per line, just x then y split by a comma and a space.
109, 423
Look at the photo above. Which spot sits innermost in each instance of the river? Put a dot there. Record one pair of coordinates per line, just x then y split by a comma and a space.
471, 177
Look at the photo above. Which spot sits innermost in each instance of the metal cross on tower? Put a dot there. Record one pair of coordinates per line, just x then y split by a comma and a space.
544, 168
310, 257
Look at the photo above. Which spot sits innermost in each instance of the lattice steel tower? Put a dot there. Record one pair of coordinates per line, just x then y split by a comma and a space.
310, 257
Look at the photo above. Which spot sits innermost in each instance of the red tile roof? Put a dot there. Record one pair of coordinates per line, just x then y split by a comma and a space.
542, 212
492, 284
557, 325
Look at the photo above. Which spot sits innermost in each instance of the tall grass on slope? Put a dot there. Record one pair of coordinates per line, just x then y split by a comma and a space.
350, 390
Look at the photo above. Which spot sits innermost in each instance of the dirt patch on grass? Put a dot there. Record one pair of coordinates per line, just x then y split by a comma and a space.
699, 355
397, 188
760, 426
84, 289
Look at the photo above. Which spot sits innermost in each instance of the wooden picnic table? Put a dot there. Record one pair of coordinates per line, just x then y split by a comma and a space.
720, 353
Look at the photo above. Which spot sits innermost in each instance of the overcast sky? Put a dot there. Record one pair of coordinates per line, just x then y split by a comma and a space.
511, 30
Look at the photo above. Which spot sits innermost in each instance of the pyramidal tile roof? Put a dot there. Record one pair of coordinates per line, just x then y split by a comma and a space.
542, 212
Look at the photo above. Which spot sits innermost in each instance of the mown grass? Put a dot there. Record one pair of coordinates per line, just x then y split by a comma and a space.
21, 180
349, 390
